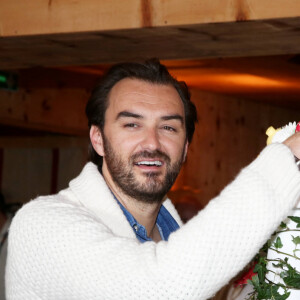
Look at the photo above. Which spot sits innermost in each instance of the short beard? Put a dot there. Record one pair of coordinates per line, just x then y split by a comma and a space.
154, 189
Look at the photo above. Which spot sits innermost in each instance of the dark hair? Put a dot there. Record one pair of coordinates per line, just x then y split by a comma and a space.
150, 71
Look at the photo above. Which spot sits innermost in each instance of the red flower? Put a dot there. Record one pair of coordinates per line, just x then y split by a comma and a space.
246, 276
297, 127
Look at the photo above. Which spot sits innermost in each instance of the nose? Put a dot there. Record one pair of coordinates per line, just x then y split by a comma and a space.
151, 140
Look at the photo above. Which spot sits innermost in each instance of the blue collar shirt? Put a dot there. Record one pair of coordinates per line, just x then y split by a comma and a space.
165, 223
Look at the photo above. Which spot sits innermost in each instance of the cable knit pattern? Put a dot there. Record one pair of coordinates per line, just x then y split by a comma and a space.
78, 244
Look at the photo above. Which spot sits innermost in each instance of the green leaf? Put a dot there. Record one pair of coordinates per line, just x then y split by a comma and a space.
255, 282
292, 282
275, 294
263, 289
291, 271
296, 220
282, 225
260, 269
278, 244
296, 240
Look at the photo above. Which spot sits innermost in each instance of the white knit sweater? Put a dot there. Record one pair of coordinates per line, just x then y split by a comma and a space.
79, 245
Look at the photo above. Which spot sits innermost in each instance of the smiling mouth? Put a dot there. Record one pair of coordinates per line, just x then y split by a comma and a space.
149, 163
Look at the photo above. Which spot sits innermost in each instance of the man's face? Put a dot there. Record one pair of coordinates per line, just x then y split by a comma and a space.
144, 139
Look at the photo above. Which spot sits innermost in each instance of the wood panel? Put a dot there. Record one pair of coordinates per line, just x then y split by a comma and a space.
72, 159
28, 172
201, 11
44, 142
231, 39
59, 110
29, 17
230, 134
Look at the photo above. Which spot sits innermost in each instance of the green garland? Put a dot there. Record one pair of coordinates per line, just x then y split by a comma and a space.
264, 288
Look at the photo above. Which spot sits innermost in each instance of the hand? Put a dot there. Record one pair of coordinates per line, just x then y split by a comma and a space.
293, 142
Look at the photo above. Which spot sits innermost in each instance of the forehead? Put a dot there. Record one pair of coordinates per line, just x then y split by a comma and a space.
138, 94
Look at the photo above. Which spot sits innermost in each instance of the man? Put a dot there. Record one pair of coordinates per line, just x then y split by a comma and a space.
113, 234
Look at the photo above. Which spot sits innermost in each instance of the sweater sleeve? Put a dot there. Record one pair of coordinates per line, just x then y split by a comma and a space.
59, 251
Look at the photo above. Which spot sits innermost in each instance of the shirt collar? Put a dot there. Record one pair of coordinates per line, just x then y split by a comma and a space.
165, 223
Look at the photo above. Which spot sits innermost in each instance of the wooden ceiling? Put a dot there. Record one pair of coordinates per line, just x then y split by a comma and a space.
50, 33
271, 79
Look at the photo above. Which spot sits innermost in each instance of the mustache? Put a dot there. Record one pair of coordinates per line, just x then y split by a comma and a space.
152, 154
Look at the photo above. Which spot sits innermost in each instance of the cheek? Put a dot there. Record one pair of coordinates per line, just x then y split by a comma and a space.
117, 139
126, 143
125, 146
173, 148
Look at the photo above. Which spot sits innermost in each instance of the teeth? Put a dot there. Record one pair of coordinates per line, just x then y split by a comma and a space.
151, 163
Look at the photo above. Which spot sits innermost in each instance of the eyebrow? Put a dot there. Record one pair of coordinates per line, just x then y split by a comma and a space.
128, 114
173, 117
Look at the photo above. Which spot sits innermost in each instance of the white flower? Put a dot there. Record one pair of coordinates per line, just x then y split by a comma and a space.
284, 133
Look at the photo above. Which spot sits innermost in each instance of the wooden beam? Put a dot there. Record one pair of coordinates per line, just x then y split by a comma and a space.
30, 17
62, 32
253, 38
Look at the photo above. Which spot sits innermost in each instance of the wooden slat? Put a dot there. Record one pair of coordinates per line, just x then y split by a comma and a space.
255, 38
27, 171
176, 12
48, 142
52, 110
48, 100
30, 17
230, 133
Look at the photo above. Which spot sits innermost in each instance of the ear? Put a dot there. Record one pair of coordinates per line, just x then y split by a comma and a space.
186, 147
97, 140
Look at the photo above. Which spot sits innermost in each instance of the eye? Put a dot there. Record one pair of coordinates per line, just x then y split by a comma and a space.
169, 128
131, 125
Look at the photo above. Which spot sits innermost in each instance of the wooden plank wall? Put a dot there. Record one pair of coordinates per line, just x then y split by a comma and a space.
230, 134
48, 100
36, 166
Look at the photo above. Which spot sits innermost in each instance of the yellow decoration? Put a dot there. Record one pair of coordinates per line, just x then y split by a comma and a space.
270, 133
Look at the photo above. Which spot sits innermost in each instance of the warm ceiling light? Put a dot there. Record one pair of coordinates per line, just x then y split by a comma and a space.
233, 81
252, 80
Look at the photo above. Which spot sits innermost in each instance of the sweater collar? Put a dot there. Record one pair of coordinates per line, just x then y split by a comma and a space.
93, 193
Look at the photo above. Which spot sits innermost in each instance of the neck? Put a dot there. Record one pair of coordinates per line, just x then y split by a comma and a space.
144, 213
